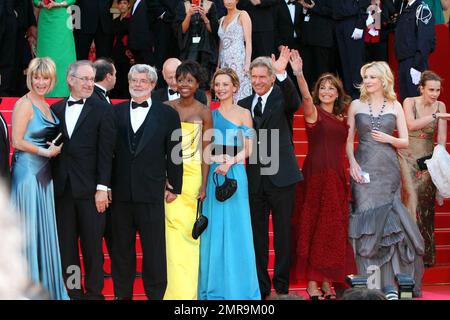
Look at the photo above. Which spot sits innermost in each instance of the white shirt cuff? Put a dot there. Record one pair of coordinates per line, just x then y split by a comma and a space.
101, 187
282, 76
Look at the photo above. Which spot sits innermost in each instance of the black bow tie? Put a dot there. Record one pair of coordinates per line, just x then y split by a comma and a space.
71, 103
291, 2
172, 92
135, 105
106, 93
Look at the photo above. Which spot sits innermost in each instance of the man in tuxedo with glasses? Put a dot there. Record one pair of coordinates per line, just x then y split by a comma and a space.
81, 177
147, 169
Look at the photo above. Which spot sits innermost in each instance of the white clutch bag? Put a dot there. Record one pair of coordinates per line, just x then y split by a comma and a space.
439, 169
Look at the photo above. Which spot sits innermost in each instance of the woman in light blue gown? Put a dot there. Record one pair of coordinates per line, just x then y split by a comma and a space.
227, 256
33, 126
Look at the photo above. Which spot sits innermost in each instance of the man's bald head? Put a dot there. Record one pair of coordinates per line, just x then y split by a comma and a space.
169, 69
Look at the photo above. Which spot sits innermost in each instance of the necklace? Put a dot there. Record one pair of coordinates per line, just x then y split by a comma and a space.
376, 125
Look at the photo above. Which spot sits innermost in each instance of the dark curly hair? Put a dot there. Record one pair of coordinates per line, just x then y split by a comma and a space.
194, 69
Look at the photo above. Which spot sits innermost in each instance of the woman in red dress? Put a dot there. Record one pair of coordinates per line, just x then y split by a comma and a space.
323, 253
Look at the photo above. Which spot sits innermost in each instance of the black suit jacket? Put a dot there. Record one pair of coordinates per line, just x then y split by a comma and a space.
319, 30
25, 14
140, 36
141, 176
262, 16
161, 95
86, 158
95, 14
278, 114
98, 95
4, 153
284, 27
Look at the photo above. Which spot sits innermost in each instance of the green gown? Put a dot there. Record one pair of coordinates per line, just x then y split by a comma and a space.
436, 10
55, 40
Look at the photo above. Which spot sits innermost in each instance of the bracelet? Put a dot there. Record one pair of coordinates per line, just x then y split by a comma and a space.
434, 115
298, 73
43, 152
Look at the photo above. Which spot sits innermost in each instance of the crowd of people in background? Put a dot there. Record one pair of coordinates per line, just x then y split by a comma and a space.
84, 170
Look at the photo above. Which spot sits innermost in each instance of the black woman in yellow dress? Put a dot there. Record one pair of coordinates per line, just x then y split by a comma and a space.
181, 249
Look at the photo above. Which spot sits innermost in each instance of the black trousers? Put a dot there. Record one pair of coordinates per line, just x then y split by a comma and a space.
407, 87
280, 202
8, 38
79, 219
103, 44
376, 51
351, 54
147, 219
316, 61
263, 44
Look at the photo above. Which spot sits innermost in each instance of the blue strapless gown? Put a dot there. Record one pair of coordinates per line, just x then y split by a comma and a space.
32, 196
227, 255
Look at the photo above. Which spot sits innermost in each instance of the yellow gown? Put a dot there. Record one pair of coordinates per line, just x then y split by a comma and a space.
181, 249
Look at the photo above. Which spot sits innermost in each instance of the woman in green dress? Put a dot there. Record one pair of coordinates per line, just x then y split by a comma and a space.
55, 40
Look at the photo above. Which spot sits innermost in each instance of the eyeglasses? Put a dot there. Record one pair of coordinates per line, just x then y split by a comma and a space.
85, 79
139, 81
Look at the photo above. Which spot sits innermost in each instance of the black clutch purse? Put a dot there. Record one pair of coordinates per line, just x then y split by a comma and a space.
226, 190
201, 222
421, 162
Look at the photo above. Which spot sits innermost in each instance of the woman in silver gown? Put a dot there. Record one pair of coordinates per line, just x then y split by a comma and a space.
384, 236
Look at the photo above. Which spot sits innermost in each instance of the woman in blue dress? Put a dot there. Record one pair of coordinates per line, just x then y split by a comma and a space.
34, 125
227, 256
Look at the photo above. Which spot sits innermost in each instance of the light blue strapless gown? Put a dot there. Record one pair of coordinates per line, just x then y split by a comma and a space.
32, 197
227, 255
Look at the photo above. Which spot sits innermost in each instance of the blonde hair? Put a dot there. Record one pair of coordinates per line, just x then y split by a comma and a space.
228, 72
384, 73
44, 67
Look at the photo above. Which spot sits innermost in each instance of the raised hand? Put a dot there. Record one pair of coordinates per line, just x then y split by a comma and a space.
281, 63
296, 62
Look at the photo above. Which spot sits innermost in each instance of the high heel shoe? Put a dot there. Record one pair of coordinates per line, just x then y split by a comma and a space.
314, 295
329, 294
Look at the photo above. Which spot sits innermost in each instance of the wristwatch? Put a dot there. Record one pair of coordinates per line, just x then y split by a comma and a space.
434, 115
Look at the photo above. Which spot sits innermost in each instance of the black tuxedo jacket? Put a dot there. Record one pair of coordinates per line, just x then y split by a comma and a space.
158, 7
95, 14
278, 114
140, 36
86, 158
141, 176
161, 95
262, 16
25, 14
319, 30
98, 95
4, 153
284, 27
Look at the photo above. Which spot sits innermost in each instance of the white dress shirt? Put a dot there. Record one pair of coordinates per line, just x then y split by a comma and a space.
72, 114
281, 78
292, 12
138, 115
174, 96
